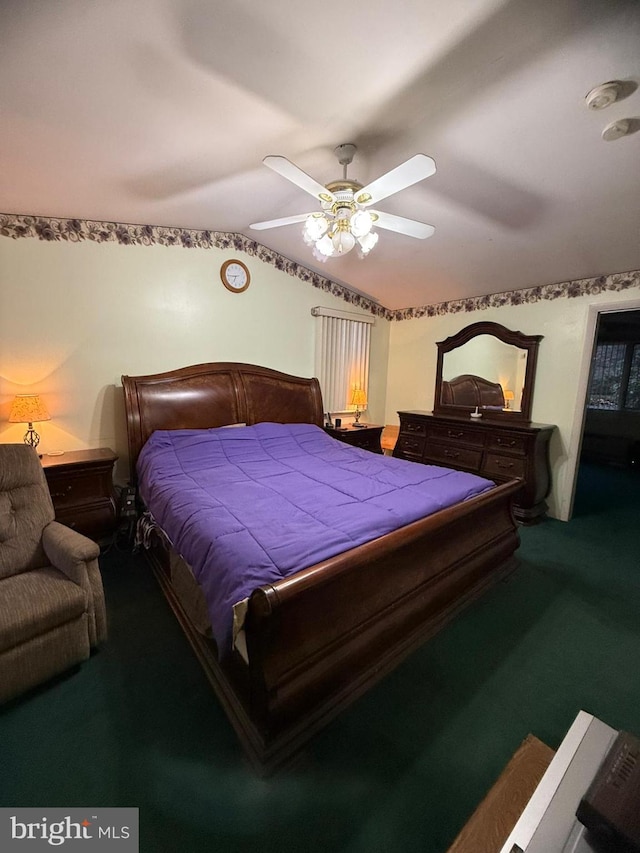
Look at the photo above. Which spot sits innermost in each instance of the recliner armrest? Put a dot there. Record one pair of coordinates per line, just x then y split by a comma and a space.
66, 549
76, 556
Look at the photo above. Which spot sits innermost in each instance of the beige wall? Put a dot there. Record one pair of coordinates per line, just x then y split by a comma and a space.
568, 327
75, 316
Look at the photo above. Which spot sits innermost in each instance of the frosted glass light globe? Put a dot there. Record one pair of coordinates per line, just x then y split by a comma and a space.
343, 242
315, 226
325, 246
368, 242
361, 223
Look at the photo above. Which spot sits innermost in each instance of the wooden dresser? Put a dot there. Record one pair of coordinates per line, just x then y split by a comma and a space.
497, 449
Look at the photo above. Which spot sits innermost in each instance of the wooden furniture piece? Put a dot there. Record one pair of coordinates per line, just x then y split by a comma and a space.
473, 391
497, 449
367, 437
489, 826
320, 638
510, 357
81, 486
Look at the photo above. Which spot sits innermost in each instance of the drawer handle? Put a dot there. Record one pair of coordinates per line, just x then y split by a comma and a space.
452, 434
412, 445
61, 494
504, 443
413, 427
451, 454
502, 464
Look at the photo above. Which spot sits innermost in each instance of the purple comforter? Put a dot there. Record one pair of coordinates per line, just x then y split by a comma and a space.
250, 505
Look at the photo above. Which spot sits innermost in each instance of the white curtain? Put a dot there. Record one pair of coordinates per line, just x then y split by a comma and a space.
342, 356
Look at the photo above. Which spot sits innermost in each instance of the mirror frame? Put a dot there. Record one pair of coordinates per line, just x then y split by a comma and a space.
529, 343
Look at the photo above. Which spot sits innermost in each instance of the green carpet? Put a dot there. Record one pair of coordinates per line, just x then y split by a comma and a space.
401, 770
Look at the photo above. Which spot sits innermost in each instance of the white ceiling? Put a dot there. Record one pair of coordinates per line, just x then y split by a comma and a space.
160, 111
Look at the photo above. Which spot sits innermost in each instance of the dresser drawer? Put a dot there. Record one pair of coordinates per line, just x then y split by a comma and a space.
452, 456
504, 466
511, 442
409, 446
408, 427
456, 435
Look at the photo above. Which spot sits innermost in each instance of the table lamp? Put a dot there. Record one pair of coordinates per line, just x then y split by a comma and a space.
508, 397
26, 409
358, 399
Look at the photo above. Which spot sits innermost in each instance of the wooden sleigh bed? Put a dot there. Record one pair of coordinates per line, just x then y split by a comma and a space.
322, 637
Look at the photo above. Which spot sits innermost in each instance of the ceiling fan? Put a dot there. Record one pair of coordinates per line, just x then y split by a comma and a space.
346, 217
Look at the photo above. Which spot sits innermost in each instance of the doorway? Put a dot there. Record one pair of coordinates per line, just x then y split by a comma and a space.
608, 465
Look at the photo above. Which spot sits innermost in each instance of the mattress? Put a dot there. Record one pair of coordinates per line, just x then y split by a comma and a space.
249, 506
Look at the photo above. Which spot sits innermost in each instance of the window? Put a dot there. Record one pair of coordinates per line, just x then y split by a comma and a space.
343, 342
615, 377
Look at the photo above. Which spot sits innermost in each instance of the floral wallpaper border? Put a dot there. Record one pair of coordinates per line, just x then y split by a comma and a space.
75, 230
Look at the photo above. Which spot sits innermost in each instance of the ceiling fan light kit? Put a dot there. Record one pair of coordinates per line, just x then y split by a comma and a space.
345, 220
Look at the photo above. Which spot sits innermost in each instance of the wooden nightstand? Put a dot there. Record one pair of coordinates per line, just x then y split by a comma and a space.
81, 486
367, 437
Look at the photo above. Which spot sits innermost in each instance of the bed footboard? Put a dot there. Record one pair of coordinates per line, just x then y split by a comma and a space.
322, 638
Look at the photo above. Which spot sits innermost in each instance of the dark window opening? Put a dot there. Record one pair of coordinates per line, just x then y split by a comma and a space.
615, 377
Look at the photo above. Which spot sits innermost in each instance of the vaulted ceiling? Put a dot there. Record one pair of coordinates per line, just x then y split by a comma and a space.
160, 112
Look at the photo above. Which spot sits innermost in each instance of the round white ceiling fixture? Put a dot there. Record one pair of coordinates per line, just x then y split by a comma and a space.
616, 130
603, 96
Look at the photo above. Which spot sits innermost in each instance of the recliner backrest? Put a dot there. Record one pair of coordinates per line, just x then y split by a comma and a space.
25, 509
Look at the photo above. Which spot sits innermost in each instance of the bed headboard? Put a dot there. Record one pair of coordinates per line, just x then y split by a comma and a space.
213, 395
470, 390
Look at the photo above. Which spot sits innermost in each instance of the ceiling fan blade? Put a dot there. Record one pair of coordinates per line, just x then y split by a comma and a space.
403, 226
276, 223
292, 173
417, 168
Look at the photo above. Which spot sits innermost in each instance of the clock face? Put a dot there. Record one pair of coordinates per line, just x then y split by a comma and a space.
235, 276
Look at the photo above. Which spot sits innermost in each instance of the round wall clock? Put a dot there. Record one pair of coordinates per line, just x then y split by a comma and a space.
235, 276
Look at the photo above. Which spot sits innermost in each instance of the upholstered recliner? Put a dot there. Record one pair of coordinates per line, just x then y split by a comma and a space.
52, 609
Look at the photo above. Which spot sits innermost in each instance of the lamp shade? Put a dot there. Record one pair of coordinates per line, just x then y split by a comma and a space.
358, 397
508, 395
27, 408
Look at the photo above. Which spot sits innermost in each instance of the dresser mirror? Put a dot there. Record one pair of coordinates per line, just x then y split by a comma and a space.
488, 367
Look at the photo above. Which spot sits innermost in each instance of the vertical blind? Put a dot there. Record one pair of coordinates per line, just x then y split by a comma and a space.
342, 356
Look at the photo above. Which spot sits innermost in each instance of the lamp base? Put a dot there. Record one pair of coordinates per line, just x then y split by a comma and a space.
31, 437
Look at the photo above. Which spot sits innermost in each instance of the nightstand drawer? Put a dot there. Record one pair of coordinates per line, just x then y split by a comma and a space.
71, 488
366, 437
504, 466
95, 520
451, 456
